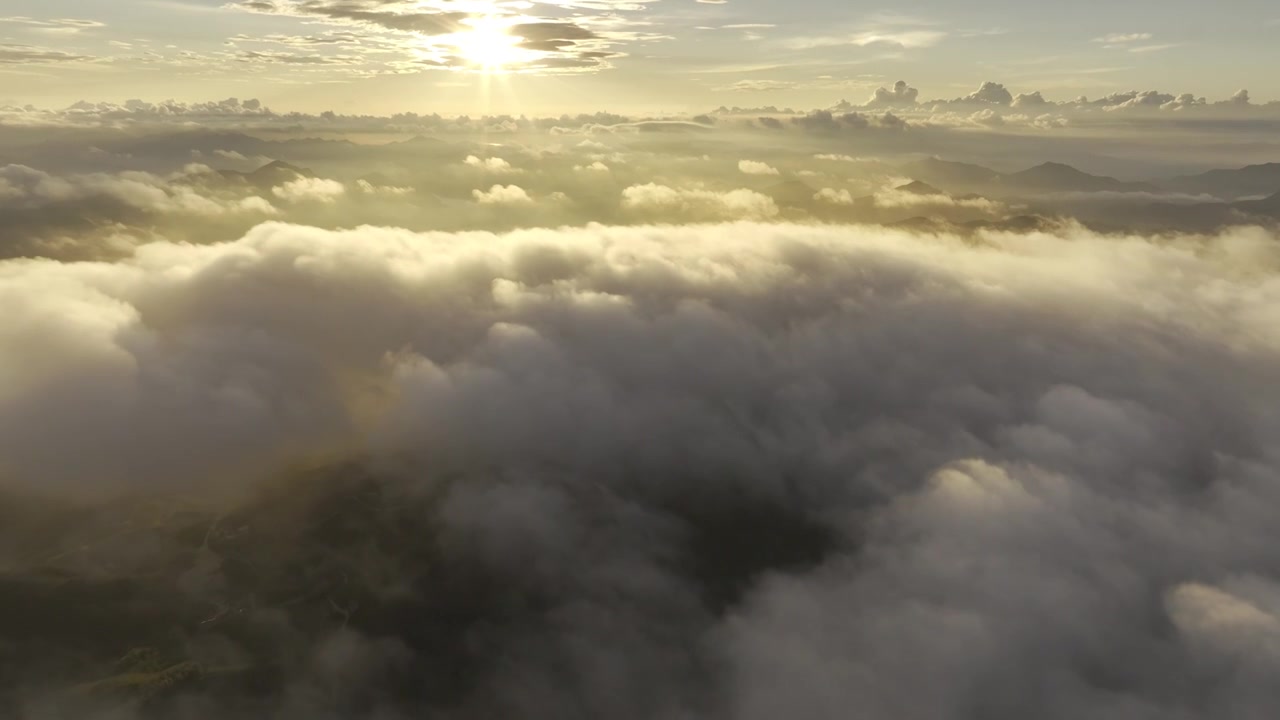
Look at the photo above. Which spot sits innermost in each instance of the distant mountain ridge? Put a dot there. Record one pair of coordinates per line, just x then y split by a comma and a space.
1045, 177
1059, 177
946, 172
917, 187
276, 172
1269, 205
1251, 180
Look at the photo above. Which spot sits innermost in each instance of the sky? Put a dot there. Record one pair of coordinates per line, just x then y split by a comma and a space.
548, 56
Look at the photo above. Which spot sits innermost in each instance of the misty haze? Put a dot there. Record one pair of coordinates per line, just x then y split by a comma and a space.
639, 360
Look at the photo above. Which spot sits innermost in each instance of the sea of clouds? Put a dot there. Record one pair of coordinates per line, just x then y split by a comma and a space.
991, 476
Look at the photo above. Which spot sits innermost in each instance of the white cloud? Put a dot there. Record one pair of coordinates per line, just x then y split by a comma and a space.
900, 38
494, 165
834, 197
503, 195
369, 188
24, 187
699, 203
754, 167
895, 198
306, 189
837, 157
1122, 38
900, 95
890, 37
989, 93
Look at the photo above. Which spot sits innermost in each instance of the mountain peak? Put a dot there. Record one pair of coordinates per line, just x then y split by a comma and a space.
278, 165
1055, 168
1060, 177
1269, 205
916, 187
1238, 183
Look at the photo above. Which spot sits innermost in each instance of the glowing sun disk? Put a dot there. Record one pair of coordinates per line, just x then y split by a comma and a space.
489, 44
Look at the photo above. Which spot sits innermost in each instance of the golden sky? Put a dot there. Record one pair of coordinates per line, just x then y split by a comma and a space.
548, 56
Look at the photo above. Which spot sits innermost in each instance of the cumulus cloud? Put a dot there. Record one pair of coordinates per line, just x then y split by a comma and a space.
834, 197
492, 164
827, 121
697, 203
1240, 98
901, 94
369, 188
990, 93
898, 198
1030, 100
502, 195
308, 189
1157, 108
706, 471
148, 288
170, 109
755, 167
26, 188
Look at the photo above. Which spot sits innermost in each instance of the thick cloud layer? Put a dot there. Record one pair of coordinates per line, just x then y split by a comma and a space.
721, 471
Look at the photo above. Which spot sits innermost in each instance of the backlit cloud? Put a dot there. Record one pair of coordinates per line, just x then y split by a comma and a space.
551, 36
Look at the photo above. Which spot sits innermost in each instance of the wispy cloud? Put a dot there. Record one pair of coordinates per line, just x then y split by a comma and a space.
11, 54
1120, 38
1128, 42
906, 39
59, 26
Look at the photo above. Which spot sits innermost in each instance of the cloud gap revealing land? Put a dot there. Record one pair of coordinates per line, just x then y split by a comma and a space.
639, 360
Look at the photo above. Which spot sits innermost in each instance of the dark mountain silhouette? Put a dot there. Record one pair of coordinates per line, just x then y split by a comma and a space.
1167, 216
1043, 178
1269, 206
418, 141
950, 174
278, 168
268, 176
176, 144
1058, 177
916, 187
1251, 180
923, 224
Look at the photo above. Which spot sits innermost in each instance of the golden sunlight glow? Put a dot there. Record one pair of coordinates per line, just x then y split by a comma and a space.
489, 45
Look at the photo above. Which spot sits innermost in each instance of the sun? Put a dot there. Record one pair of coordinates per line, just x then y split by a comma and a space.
489, 45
